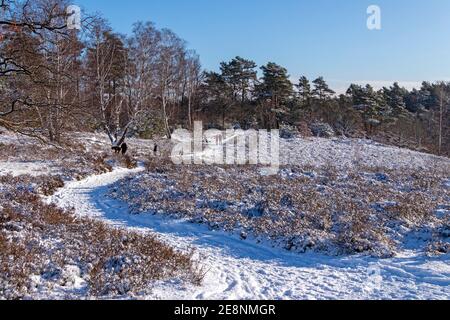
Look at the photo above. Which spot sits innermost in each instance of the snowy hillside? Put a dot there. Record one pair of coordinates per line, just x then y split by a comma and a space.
133, 166
343, 219
245, 270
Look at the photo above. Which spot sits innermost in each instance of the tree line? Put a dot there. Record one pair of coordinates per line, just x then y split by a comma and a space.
417, 118
54, 80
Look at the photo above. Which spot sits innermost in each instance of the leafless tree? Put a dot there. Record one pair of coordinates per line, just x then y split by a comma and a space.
141, 73
34, 55
193, 81
172, 53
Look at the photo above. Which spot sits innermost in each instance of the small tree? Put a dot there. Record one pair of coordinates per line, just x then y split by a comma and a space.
274, 92
321, 89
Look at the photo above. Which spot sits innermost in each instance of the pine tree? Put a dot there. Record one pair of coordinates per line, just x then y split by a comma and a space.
395, 98
370, 104
275, 91
240, 75
276, 84
321, 89
304, 90
217, 92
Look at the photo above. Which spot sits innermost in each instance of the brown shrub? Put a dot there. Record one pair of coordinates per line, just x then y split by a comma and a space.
129, 162
99, 163
356, 211
113, 261
50, 184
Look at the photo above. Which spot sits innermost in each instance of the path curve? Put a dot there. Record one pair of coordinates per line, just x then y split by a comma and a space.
245, 270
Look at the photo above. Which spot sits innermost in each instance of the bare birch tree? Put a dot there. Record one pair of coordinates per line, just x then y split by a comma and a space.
172, 51
193, 81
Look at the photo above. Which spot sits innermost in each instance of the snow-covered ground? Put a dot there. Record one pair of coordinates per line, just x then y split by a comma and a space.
244, 270
35, 168
338, 152
237, 269
345, 153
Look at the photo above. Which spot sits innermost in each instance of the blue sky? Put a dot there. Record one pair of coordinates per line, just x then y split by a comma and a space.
308, 37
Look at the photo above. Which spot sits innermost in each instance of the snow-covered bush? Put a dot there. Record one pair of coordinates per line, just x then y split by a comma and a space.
326, 209
322, 130
47, 252
288, 132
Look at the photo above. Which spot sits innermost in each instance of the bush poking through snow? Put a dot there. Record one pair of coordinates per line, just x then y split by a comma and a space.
46, 250
49, 185
129, 162
370, 210
322, 130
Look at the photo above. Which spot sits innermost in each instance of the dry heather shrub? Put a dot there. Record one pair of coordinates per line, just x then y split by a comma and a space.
50, 184
99, 163
159, 165
300, 208
437, 247
19, 259
358, 233
132, 262
304, 130
7, 150
44, 184
41, 239
36, 151
413, 208
129, 162
17, 263
129, 262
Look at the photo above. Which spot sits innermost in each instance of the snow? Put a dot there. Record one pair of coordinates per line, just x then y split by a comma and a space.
447, 184
237, 269
66, 281
346, 153
34, 168
339, 152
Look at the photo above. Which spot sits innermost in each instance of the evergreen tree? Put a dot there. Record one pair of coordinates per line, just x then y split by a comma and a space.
423, 100
217, 93
322, 101
395, 97
370, 104
347, 118
240, 75
275, 84
304, 90
274, 91
321, 89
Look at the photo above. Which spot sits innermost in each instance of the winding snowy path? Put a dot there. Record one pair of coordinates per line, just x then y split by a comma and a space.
244, 270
